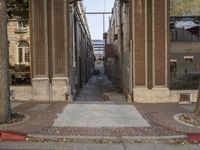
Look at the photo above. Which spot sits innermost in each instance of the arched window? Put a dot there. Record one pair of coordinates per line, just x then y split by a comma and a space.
23, 52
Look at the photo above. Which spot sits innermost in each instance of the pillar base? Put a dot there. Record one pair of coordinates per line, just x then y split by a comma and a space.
40, 89
129, 98
60, 89
155, 95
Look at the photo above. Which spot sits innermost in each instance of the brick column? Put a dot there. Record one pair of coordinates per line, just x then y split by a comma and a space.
150, 50
139, 43
39, 45
49, 33
160, 43
60, 25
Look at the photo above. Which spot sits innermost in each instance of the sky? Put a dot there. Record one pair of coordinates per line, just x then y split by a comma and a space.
95, 22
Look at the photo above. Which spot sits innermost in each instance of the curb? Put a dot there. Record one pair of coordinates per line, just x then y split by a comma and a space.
194, 136
176, 117
11, 136
103, 138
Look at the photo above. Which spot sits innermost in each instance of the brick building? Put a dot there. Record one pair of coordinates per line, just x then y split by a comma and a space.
19, 51
139, 35
148, 52
118, 46
62, 52
184, 52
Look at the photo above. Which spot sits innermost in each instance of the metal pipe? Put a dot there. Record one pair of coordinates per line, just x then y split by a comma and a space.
96, 13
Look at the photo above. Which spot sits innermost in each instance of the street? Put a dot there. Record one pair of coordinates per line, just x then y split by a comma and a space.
86, 146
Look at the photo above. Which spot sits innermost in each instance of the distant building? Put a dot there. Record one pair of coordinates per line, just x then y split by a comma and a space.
19, 51
98, 46
185, 52
99, 53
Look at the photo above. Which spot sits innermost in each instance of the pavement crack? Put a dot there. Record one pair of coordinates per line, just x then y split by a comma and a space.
122, 142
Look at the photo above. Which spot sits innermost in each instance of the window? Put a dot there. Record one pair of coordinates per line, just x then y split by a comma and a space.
22, 24
188, 58
23, 53
173, 65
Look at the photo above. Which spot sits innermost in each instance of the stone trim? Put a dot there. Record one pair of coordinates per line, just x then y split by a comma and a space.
146, 45
53, 35
66, 21
33, 38
153, 41
155, 95
133, 37
166, 42
40, 89
46, 36
60, 90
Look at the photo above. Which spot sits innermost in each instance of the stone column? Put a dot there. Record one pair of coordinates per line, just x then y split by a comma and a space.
39, 46
150, 50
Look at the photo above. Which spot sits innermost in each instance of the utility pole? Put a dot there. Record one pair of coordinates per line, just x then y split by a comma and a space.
5, 109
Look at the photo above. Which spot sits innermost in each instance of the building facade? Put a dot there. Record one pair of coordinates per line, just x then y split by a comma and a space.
148, 53
139, 35
118, 46
19, 51
184, 52
62, 52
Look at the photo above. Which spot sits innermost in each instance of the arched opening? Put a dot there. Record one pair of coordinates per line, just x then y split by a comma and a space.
20, 67
23, 53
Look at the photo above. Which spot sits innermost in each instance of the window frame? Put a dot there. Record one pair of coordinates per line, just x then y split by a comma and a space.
21, 26
23, 53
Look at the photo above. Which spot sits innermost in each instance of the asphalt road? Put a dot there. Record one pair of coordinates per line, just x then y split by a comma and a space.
85, 146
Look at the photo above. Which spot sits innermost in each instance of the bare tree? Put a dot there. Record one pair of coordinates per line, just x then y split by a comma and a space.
5, 110
197, 107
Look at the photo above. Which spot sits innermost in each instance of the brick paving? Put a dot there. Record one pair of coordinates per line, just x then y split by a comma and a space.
110, 132
36, 119
159, 116
162, 115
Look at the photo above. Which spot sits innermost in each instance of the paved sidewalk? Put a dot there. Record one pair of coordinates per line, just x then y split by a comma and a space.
99, 116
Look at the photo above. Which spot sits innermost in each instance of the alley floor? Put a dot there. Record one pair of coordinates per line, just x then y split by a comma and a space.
100, 89
100, 111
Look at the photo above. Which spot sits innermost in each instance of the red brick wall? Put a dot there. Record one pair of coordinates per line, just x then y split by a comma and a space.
59, 37
39, 38
139, 42
159, 42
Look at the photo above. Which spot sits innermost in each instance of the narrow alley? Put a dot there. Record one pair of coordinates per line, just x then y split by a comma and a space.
100, 89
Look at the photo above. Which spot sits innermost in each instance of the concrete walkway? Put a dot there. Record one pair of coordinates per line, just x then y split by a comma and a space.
96, 115
100, 89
